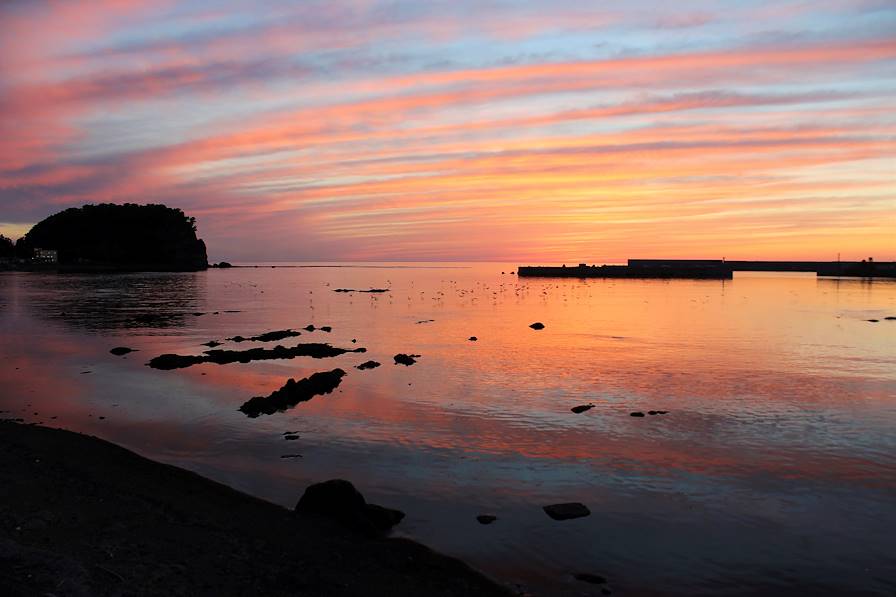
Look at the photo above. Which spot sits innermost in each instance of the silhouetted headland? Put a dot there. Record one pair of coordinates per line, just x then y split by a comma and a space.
110, 237
711, 269
82, 516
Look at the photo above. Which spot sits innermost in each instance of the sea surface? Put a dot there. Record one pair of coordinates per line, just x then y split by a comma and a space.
774, 471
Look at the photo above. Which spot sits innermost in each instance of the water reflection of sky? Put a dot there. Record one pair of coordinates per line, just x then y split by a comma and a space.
775, 467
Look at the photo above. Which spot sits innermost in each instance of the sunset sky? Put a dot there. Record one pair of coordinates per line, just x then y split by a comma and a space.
542, 131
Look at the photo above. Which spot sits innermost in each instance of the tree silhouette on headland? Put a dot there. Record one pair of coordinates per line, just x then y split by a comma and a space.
120, 236
7, 248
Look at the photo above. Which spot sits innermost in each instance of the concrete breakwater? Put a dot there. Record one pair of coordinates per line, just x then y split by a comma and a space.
710, 269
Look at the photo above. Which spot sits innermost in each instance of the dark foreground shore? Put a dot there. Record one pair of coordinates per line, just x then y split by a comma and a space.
82, 516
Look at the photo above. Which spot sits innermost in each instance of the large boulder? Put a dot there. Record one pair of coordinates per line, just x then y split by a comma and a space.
339, 500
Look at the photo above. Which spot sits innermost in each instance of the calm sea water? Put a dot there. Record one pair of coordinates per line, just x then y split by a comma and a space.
774, 471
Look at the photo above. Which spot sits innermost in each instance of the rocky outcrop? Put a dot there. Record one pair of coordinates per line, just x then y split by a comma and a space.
339, 500
292, 393
223, 357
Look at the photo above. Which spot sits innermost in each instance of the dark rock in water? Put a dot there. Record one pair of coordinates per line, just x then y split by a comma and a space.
636, 414
368, 365
567, 511
223, 264
211, 343
121, 350
383, 518
890, 318
198, 314
290, 456
326, 328
426, 321
290, 436
581, 408
373, 290
486, 518
472, 338
338, 499
223, 357
872, 320
354, 340
309, 328
268, 336
657, 412
594, 579
406, 359
537, 326
322, 382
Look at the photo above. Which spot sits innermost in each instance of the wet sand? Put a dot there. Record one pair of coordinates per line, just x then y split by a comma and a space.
82, 516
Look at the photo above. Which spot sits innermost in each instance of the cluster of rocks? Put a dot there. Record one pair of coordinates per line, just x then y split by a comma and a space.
222, 357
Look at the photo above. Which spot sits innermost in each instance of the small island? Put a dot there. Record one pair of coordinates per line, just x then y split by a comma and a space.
113, 237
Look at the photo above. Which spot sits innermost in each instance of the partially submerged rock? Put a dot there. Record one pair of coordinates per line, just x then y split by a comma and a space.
406, 359
322, 382
537, 326
567, 511
657, 412
486, 518
594, 579
223, 357
373, 290
211, 343
637, 413
368, 365
121, 350
339, 500
326, 328
581, 408
268, 336
472, 338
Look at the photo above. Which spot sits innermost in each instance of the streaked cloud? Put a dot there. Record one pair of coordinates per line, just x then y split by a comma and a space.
463, 130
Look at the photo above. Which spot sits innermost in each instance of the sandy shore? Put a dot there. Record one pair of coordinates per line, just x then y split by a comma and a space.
82, 516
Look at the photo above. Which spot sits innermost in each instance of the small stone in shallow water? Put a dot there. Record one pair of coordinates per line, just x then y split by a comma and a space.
872, 320
290, 436
581, 408
567, 511
291, 456
121, 350
594, 579
211, 343
406, 359
486, 518
537, 326
473, 338
637, 413
368, 365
